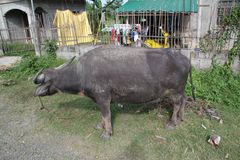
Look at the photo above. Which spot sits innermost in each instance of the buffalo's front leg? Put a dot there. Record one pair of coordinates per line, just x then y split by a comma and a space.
104, 106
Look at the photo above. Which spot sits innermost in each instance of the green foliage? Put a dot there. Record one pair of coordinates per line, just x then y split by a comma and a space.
50, 47
218, 84
214, 41
29, 65
231, 20
95, 8
232, 26
233, 53
110, 9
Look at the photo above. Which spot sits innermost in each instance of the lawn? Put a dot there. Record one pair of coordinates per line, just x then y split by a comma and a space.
139, 130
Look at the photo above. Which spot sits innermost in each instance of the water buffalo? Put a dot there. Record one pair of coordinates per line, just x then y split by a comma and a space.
121, 74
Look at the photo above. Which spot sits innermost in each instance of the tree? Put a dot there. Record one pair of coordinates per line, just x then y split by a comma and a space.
97, 8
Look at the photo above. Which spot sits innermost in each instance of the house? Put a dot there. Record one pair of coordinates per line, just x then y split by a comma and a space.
185, 21
16, 16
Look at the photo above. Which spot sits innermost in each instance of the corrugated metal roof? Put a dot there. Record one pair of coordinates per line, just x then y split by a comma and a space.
160, 5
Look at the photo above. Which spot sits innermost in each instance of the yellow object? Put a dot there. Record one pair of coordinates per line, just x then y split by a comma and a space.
152, 44
165, 34
72, 28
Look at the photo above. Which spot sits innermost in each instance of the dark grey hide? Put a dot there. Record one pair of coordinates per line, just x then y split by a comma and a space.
129, 75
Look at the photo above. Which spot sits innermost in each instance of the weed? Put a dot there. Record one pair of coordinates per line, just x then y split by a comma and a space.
29, 65
50, 47
218, 84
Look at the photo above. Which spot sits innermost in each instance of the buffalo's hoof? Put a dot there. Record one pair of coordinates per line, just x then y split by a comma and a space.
105, 135
179, 120
170, 125
99, 126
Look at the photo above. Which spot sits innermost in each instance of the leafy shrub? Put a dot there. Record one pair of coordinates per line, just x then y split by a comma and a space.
218, 84
50, 47
29, 65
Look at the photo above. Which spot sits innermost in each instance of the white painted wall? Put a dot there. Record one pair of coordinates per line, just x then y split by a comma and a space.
21, 5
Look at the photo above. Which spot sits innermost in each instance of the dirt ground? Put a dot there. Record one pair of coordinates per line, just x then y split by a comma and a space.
6, 62
23, 135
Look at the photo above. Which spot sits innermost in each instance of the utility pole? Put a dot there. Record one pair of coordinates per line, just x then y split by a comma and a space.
199, 22
35, 35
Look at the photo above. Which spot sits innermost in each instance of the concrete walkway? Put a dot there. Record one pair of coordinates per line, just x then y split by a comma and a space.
8, 61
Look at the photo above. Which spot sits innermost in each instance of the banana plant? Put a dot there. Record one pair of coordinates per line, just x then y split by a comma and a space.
97, 5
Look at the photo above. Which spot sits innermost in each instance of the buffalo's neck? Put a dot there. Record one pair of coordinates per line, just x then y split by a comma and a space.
69, 80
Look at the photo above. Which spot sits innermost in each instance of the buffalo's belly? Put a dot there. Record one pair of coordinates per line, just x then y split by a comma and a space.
135, 95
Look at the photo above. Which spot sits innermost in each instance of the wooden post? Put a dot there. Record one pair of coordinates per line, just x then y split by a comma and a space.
99, 29
36, 35
36, 39
2, 45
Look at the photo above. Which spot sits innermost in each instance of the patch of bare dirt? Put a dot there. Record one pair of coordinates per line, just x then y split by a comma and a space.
8, 62
24, 136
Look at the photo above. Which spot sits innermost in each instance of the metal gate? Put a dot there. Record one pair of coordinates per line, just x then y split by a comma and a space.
16, 40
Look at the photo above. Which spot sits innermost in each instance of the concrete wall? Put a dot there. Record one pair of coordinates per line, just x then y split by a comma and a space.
6, 7
8, 1
21, 5
202, 60
50, 6
199, 59
67, 52
208, 18
204, 20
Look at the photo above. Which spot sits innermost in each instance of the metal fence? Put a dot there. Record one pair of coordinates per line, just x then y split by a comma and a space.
157, 29
13, 40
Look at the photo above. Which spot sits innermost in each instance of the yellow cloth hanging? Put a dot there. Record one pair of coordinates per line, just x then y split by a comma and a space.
72, 28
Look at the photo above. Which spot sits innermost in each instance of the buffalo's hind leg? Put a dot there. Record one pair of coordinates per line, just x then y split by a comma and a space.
100, 125
104, 106
177, 111
180, 115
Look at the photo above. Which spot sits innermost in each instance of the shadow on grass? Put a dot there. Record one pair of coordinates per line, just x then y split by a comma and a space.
116, 108
134, 152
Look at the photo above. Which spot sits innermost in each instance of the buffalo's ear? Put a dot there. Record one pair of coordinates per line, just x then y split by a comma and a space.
50, 74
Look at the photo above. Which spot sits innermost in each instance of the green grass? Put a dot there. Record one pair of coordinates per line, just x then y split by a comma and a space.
134, 133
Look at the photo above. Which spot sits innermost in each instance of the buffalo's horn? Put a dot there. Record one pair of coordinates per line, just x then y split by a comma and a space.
66, 64
71, 60
39, 78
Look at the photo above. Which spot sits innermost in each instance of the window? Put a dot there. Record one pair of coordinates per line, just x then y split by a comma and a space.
40, 16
